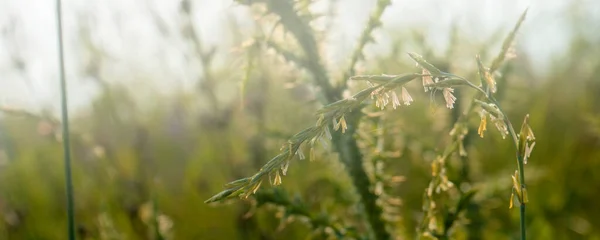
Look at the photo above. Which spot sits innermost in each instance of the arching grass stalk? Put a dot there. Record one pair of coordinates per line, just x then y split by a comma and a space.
65, 127
524, 141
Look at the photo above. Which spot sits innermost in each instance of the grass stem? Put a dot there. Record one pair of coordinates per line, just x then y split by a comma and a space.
351, 157
65, 127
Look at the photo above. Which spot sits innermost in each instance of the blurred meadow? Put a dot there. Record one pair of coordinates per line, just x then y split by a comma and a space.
170, 101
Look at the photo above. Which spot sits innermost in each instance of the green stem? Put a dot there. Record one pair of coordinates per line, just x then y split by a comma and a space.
351, 157
65, 127
520, 163
522, 204
520, 167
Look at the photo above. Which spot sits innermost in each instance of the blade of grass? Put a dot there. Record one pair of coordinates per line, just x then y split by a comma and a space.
65, 127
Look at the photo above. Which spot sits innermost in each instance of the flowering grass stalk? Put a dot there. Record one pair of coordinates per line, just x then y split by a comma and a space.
343, 116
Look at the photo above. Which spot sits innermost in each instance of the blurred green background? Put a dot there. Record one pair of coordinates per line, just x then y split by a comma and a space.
152, 142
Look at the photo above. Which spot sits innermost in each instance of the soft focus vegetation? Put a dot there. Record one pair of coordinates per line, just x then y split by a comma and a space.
143, 170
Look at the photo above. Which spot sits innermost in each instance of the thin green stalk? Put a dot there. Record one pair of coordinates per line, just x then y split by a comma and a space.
65, 127
522, 204
513, 134
351, 157
495, 64
520, 162
521, 170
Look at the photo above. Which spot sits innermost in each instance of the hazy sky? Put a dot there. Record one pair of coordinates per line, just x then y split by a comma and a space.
128, 34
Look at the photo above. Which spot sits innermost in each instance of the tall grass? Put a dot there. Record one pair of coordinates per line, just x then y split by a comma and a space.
342, 117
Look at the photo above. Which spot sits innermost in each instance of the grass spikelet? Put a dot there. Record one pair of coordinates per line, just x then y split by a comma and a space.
507, 43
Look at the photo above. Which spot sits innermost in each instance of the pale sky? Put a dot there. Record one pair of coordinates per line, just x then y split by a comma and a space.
128, 34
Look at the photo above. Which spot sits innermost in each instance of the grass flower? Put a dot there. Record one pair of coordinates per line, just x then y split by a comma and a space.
381, 98
341, 124
518, 190
482, 124
277, 179
490, 81
526, 140
406, 98
500, 125
450, 99
301, 154
511, 53
312, 153
395, 101
426, 79
528, 150
284, 167
496, 116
